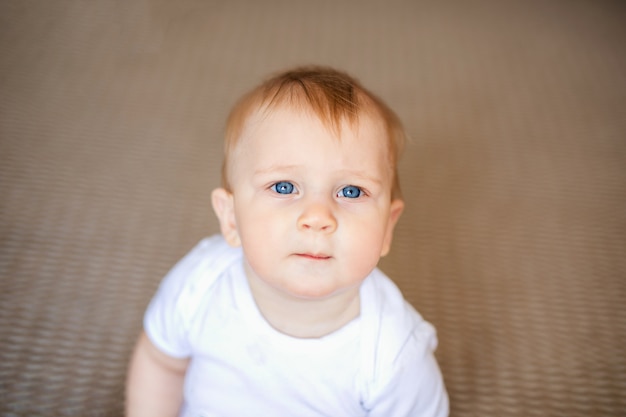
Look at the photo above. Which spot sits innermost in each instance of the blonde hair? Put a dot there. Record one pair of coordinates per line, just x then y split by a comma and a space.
331, 95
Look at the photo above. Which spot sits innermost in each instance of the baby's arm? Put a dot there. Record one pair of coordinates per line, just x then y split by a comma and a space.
155, 382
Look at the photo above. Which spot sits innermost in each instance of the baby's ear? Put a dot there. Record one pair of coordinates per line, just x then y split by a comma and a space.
397, 206
224, 208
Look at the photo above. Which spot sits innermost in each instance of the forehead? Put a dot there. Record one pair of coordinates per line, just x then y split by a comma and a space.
282, 121
284, 134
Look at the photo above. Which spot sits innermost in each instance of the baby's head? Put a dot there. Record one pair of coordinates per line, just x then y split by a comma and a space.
310, 186
334, 97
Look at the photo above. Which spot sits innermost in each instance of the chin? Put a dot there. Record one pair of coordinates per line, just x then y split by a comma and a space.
309, 293
315, 293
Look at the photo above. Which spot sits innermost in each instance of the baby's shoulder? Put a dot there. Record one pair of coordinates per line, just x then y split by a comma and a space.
396, 329
399, 372
188, 282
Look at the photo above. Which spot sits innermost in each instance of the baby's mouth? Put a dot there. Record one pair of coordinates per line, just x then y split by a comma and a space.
314, 256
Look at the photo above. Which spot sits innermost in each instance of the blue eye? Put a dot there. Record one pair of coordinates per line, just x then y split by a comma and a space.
283, 187
351, 191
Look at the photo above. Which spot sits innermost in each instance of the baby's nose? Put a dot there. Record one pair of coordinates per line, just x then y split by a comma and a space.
317, 217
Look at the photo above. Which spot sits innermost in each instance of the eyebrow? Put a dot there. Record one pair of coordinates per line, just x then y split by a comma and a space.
287, 169
362, 175
275, 168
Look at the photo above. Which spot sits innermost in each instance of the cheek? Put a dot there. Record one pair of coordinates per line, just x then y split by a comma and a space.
260, 235
365, 244
257, 219
256, 245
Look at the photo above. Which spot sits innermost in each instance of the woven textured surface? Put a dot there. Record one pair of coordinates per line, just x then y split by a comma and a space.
514, 239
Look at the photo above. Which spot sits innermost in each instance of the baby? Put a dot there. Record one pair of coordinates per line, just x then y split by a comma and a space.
285, 313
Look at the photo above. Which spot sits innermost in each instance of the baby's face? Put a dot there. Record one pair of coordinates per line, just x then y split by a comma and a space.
313, 212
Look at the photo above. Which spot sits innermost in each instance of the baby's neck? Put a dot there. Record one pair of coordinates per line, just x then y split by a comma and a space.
304, 318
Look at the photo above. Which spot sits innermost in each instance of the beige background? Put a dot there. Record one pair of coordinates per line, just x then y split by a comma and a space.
513, 243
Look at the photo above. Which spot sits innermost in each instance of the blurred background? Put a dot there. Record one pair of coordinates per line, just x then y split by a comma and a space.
513, 243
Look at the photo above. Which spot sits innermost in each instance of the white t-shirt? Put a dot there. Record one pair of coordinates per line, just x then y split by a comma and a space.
380, 364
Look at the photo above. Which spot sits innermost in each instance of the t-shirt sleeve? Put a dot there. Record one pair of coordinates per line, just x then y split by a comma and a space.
168, 317
415, 386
